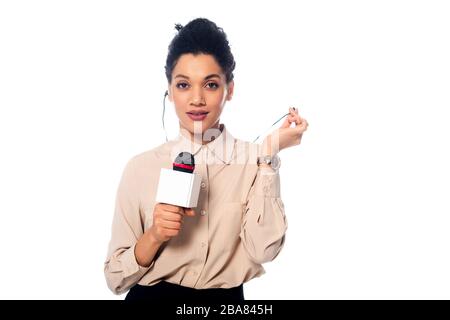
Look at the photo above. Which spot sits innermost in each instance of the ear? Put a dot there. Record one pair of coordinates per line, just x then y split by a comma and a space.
230, 90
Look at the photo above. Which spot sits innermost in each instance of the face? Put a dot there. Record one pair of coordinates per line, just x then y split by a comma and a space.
199, 92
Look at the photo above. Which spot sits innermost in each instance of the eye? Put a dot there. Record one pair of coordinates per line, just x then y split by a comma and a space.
212, 85
182, 85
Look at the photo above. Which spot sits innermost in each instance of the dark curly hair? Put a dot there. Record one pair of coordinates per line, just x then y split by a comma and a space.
201, 36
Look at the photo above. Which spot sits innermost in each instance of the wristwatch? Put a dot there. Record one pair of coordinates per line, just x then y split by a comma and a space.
273, 161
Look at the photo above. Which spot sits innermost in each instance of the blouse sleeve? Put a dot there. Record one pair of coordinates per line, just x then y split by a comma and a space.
264, 222
121, 268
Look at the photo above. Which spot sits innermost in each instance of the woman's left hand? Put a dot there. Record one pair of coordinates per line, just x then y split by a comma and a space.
287, 136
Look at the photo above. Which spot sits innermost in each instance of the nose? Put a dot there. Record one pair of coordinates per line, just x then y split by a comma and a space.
197, 97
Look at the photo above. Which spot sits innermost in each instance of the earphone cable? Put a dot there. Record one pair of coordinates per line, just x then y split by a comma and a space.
164, 109
273, 125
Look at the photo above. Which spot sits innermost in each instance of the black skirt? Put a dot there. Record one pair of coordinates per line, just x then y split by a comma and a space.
173, 292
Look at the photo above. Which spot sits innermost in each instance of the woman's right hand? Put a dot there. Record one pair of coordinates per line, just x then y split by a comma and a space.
168, 220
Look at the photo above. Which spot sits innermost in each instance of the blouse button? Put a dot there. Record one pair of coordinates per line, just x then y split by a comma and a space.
203, 212
203, 185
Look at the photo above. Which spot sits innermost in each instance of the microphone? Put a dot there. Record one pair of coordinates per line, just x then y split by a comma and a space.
184, 162
179, 186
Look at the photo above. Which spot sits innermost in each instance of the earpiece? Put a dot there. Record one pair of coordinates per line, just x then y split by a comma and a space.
164, 109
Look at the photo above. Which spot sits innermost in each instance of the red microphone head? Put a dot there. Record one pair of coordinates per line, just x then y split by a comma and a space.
184, 162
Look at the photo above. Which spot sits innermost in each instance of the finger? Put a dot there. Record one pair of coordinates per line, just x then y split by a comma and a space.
189, 212
295, 118
293, 111
170, 224
292, 122
288, 120
302, 126
170, 216
172, 208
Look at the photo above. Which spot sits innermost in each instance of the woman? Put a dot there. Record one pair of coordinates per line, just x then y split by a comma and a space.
204, 253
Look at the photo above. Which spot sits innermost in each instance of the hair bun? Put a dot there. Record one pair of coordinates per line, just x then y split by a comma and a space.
178, 26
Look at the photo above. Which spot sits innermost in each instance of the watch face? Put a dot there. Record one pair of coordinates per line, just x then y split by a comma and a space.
275, 162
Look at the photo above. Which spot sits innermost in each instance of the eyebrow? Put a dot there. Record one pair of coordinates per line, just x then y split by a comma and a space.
206, 78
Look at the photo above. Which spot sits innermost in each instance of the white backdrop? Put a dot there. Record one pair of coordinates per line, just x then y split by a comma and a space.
366, 193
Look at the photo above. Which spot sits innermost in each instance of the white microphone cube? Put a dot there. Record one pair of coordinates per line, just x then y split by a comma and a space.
178, 188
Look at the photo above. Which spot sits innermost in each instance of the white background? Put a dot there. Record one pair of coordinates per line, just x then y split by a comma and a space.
366, 193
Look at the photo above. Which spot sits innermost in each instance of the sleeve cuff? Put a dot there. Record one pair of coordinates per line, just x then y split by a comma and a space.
267, 183
130, 265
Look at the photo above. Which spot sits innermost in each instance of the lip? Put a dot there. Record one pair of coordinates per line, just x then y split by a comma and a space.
197, 115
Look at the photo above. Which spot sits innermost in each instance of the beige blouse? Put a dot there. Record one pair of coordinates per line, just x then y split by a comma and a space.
240, 221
